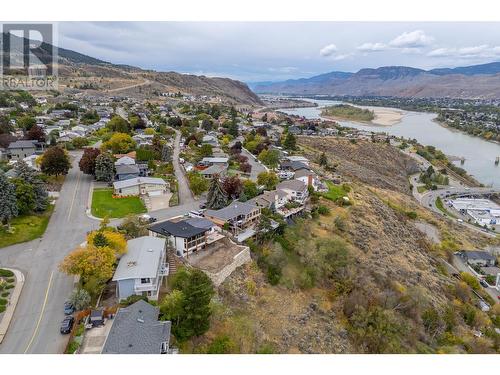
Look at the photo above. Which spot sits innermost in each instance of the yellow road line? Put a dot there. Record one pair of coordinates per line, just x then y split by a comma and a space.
74, 195
41, 313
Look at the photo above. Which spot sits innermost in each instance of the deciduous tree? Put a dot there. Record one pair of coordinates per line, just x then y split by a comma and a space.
88, 160
55, 161
119, 143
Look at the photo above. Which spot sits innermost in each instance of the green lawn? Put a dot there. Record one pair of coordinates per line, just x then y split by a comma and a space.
103, 204
334, 191
421, 189
25, 228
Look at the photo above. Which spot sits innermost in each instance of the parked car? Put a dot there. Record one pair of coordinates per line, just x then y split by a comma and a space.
68, 308
67, 324
147, 218
203, 206
484, 284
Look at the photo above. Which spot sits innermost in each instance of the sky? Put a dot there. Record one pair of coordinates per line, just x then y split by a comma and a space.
275, 51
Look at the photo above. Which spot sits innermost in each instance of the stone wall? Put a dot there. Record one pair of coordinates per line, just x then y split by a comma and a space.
238, 260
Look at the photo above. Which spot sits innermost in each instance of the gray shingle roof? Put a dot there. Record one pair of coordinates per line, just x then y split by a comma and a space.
127, 169
137, 181
142, 258
232, 211
136, 330
295, 185
178, 229
22, 144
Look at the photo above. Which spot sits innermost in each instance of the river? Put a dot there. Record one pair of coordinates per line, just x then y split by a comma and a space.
479, 154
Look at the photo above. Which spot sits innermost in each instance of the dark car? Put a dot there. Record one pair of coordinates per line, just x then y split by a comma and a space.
67, 324
203, 205
484, 284
68, 308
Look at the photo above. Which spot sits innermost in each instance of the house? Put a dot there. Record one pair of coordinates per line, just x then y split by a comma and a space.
214, 170
127, 171
293, 165
479, 258
210, 140
187, 236
141, 269
208, 161
237, 216
274, 199
311, 179
140, 186
21, 149
298, 158
295, 189
125, 160
136, 330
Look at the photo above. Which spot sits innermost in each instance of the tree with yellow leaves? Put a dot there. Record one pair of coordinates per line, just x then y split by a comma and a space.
90, 263
108, 238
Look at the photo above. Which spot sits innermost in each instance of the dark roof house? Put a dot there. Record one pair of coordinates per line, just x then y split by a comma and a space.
137, 330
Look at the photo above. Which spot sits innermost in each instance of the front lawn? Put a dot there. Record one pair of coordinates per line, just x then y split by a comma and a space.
103, 204
25, 228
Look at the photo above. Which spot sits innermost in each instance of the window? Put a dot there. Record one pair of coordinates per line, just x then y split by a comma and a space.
145, 280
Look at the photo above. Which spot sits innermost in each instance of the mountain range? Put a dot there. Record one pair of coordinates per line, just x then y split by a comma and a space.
477, 81
77, 70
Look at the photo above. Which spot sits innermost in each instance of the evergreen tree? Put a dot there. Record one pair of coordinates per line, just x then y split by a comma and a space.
290, 142
34, 178
8, 204
165, 153
104, 168
216, 198
25, 196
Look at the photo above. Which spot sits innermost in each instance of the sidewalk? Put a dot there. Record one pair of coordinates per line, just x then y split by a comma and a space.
11, 307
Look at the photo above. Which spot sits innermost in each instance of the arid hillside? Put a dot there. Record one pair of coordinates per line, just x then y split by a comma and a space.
358, 278
376, 164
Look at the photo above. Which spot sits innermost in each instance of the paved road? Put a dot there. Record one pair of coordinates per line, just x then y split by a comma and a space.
35, 325
185, 195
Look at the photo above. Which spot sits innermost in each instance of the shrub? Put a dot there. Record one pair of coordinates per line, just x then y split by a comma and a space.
2, 308
3, 301
6, 273
221, 345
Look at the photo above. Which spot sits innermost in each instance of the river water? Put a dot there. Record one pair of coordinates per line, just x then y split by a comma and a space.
479, 154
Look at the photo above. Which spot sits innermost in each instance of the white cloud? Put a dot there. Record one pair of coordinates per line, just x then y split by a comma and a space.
342, 57
472, 52
328, 50
372, 47
413, 39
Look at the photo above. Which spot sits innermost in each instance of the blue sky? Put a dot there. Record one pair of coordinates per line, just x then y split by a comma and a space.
270, 51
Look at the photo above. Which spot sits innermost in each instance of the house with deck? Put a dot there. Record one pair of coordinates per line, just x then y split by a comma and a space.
142, 268
187, 236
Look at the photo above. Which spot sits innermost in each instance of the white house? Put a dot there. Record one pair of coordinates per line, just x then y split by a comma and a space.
151, 186
141, 270
296, 190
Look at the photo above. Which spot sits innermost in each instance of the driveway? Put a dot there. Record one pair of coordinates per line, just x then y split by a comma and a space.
35, 325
